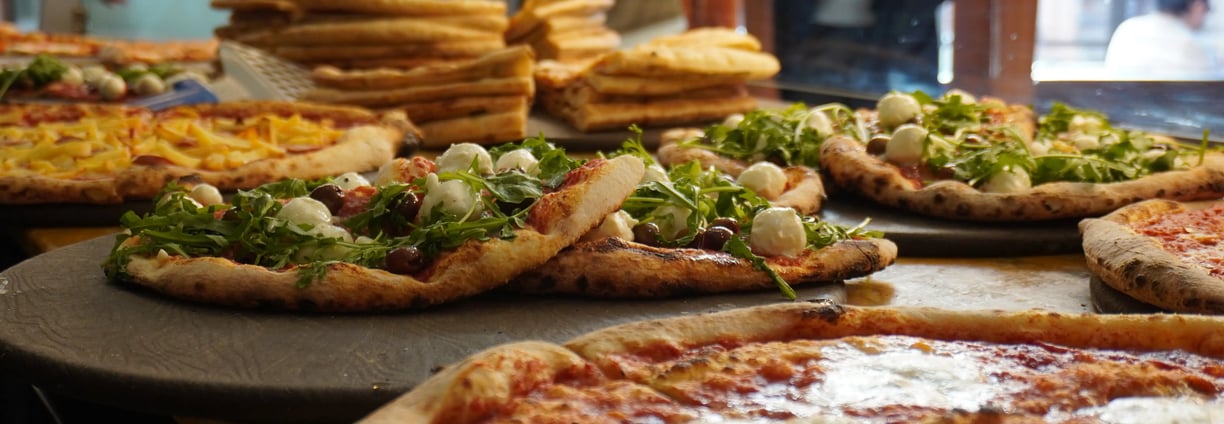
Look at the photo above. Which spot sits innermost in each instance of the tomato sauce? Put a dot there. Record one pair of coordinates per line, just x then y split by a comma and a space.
1195, 236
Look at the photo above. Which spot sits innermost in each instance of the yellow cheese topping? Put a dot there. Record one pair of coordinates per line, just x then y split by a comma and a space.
100, 146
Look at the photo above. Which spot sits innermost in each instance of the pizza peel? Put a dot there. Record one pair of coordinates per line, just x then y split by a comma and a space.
67, 330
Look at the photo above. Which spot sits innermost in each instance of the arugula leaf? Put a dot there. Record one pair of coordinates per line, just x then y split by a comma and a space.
736, 247
634, 147
553, 164
777, 135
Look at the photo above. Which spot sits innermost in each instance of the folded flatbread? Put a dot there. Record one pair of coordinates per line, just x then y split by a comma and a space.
387, 31
510, 62
444, 49
390, 97
438, 110
375, 7
534, 14
481, 129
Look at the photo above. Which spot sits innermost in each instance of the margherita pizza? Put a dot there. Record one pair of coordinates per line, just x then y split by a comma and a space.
821, 363
694, 229
423, 233
1161, 252
958, 158
107, 153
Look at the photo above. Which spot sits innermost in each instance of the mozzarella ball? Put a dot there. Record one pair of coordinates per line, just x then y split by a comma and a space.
329, 253
654, 173
1011, 180
350, 180
1085, 124
112, 87
897, 108
820, 122
453, 197
206, 194
965, 97
764, 178
777, 232
304, 210
733, 120
520, 159
186, 75
617, 224
401, 170
672, 221
906, 145
459, 157
148, 84
72, 76
93, 74
1086, 142
1038, 148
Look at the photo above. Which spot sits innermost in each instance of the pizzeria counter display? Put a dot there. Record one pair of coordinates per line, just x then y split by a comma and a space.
739, 259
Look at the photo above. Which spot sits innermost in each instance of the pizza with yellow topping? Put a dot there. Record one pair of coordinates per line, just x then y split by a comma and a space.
102, 154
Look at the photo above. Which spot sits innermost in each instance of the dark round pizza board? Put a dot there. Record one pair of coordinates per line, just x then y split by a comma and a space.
925, 236
66, 329
1108, 300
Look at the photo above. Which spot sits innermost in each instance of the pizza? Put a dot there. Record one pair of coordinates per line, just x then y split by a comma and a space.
692, 229
808, 362
788, 136
47, 78
15, 42
960, 158
422, 233
1162, 252
99, 154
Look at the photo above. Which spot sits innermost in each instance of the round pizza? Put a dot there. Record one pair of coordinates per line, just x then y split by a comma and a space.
806, 362
92, 153
957, 157
692, 229
46, 78
420, 234
1161, 252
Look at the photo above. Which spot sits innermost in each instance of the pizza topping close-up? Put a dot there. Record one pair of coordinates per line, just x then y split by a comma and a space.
789, 136
1194, 235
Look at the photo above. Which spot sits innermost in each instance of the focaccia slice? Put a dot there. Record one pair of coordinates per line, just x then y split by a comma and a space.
1161, 252
823, 363
424, 234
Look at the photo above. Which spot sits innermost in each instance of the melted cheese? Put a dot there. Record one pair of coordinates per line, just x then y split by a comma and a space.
617, 224
103, 145
453, 197
305, 211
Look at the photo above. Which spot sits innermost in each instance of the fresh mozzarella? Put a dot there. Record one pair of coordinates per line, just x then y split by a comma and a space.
350, 180
733, 120
1039, 148
519, 158
965, 97
764, 178
459, 157
897, 108
1086, 142
1010, 180
72, 76
453, 197
304, 210
329, 253
819, 121
206, 194
1085, 124
673, 221
400, 170
778, 232
654, 173
617, 224
906, 144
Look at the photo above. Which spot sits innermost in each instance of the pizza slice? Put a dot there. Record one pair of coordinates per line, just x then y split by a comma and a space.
85, 153
694, 229
956, 157
805, 362
421, 234
1161, 252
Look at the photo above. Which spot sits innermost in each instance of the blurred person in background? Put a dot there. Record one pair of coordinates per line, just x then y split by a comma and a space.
1164, 44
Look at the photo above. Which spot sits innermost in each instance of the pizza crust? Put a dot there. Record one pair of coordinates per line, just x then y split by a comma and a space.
470, 269
847, 162
1140, 267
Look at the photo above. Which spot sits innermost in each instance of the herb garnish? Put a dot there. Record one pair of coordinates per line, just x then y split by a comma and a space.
782, 136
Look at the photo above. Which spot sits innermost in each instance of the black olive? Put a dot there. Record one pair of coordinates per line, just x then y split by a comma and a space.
877, 145
715, 237
408, 206
728, 223
231, 214
698, 239
647, 234
330, 195
945, 172
405, 260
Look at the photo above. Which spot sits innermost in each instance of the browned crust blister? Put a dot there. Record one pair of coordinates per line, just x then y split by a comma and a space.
370, 141
474, 267
478, 383
1140, 267
847, 162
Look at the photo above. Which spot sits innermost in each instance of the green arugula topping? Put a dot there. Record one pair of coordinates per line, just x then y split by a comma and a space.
782, 136
41, 71
553, 162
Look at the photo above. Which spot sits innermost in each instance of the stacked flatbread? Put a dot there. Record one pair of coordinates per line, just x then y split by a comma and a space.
694, 77
483, 100
564, 30
368, 33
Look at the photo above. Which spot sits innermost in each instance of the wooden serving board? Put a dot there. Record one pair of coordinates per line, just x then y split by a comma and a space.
66, 329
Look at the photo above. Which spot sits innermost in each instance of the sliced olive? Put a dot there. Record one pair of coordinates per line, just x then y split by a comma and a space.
408, 206
329, 195
728, 223
405, 260
877, 144
715, 237
647, 234
698, 239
